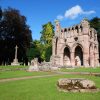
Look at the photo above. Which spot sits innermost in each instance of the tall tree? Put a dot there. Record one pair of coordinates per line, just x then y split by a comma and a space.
14, 31
47, 33
0, 13
46, 39
95, 23
35, 50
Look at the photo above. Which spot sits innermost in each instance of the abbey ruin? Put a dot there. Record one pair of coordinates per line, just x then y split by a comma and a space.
75, 46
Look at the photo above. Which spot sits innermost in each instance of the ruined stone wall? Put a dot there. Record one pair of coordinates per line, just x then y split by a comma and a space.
82, 36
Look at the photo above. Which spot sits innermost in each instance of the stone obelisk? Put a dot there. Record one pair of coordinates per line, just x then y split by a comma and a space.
15, 61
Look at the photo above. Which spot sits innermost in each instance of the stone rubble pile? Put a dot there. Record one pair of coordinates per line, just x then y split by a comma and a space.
76, 85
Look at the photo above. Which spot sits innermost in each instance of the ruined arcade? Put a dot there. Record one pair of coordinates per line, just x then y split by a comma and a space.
75, 46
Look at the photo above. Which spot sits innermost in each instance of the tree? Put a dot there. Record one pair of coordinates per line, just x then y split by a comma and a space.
46, 39
34, 51
13, 31
95, 23
0, 13
47, 33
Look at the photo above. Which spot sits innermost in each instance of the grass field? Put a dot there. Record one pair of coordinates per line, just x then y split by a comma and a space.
14, 72
95, 70
21, 73
13, 67
42, 88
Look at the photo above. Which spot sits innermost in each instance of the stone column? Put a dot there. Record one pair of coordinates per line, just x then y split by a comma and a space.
97, 56
96, 59
16, 51
15, 61
86, 59
61, 59
72, 58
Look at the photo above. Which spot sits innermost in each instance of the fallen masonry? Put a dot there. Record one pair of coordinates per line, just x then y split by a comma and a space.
76, 85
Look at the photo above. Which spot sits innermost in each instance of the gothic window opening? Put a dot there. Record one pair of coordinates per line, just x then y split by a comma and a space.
90, 34
77, 30
66, 57
78, 56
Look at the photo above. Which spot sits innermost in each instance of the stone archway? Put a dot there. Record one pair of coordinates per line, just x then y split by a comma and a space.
78, 56
66, 57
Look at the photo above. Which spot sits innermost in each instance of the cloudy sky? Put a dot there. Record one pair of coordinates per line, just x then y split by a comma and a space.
39, 12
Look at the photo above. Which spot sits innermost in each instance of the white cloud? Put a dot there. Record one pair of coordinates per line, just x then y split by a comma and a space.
89, 12
60, 17
74, 12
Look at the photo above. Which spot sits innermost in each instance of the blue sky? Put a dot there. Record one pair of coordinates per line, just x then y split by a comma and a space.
39, 12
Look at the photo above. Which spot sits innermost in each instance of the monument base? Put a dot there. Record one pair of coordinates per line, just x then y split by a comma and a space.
15, 62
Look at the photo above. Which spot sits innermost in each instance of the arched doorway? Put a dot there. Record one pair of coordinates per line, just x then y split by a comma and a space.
78, 56
66, 57
56, 46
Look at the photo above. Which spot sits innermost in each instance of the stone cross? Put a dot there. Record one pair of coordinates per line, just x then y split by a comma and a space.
16, 51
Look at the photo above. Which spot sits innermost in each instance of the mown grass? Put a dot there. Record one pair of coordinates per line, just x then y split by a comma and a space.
95, 70
21, 73
44, 89
12, 67
15, 72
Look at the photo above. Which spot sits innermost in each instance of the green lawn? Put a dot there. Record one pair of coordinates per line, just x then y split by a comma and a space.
20, 73
15, 72
95, 70
44, 89
13, 67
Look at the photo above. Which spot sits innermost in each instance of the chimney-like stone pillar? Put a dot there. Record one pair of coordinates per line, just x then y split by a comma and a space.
58, 28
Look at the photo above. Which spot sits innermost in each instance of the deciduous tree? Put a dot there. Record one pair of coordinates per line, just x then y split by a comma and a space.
46, 39
13, 31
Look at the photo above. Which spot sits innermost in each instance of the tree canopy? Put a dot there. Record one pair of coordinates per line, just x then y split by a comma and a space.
95, 23
35, 50
47, 33
46, 39
13, 31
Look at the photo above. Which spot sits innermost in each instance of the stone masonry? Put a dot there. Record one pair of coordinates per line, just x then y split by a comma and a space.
75, 46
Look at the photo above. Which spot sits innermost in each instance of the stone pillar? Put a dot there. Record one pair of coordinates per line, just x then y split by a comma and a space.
86, 59
58, 28
16, 48
61, 59
97, 56
92, 59
15, 61
72, 58
96, 59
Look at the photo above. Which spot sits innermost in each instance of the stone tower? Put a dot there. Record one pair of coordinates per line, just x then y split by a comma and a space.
75, 46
